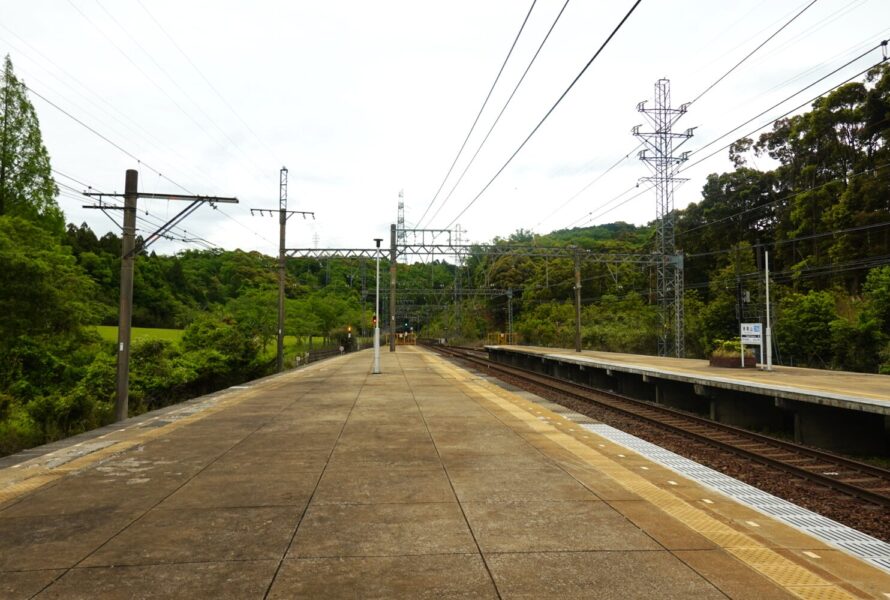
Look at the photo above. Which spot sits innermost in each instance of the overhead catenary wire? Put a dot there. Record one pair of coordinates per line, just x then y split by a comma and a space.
503, 108
548, 113
479, 114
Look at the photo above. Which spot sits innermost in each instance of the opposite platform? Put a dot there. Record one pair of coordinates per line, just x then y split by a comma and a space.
424, 481
844, 389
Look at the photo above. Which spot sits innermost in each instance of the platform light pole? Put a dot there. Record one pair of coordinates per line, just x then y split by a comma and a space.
376, 370
769, 331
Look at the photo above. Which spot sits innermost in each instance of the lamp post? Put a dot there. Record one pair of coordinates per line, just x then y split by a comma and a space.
376, 370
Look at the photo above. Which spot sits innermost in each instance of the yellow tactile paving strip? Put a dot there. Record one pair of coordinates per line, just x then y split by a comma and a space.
28, 476
793, 577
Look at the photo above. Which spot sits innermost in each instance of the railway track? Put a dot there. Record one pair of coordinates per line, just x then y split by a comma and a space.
845, 475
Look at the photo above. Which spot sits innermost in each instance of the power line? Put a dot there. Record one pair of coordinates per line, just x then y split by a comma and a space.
589, 185
783, 198
207, 81
503, 108
802, 238
548, 113
176, 85
243, 226
479, 114
698, 97
759, 46
782, 116
614, 198
77, 181
108, 109
821, 79
101, 136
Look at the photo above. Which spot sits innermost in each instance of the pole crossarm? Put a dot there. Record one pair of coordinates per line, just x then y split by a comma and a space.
287, 213
199, 198
421, 236
161, 232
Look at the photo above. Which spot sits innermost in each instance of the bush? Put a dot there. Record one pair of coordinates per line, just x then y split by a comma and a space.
730, 349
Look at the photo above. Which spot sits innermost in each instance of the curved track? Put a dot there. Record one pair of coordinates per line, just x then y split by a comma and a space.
861, 480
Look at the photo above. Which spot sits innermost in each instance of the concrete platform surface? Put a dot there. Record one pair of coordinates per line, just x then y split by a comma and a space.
426, 481
789, 382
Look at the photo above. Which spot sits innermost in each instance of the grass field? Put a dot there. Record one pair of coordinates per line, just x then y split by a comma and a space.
292, 344
109, 333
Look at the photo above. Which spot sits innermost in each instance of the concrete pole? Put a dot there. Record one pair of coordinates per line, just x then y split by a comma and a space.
282, 225
282, 229
392, 288
376, 370
769, 331
510, 339
125, 321
577, 300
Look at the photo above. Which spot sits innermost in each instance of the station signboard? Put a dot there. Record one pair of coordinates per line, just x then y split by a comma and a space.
752, 334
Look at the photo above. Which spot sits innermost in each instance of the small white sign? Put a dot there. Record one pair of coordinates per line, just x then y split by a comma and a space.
752, 334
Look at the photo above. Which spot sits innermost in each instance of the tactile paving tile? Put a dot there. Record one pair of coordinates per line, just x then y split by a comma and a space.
819, 592
854, 542
788, 574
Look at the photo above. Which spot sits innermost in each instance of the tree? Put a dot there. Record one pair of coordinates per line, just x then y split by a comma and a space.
27, 188
803, 328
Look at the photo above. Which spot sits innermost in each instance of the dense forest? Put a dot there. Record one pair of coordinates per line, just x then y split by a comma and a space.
821, 210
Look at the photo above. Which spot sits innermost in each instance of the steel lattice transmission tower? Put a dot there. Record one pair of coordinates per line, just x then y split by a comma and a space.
400, 220
660, 158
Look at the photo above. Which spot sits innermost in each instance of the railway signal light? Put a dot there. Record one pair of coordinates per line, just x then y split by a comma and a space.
374, 320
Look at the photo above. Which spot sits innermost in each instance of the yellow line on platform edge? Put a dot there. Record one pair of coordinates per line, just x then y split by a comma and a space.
795, 578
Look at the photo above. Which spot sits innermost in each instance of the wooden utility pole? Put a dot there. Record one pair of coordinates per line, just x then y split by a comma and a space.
129, 250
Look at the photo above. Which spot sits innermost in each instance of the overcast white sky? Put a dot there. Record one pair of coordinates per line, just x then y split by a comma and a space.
363, 99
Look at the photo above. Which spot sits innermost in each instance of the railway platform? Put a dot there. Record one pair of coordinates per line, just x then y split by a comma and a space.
814, 406
425, 481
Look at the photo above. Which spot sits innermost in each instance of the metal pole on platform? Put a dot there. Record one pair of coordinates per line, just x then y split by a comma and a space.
769, 331
376, 369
